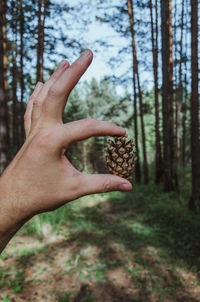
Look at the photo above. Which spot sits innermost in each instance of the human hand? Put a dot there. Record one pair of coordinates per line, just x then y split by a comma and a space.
40, 178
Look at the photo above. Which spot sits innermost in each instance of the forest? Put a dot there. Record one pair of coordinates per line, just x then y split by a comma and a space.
138, 246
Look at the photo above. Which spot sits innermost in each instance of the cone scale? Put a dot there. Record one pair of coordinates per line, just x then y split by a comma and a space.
121, 157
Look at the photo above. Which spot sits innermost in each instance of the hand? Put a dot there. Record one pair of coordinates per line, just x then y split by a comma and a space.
40, 178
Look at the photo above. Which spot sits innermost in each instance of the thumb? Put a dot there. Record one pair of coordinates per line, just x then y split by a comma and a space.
101, 183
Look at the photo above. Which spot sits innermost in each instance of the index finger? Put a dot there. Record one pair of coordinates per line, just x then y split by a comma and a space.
60, 90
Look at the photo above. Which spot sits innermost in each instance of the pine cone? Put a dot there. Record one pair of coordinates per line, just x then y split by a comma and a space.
121, 157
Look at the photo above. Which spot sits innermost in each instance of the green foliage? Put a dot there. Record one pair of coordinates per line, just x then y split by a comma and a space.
6, 299
97, 101
147, 217
64, 297
146, 233
89, 298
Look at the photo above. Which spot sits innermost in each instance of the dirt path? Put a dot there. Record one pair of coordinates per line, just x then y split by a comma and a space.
98, 261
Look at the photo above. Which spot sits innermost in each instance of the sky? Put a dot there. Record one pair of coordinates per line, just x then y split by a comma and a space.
96, 31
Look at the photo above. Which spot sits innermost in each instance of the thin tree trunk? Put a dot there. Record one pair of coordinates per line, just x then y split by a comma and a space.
22, 134
39, 76
195, 148
42, 6
43, 35
4, 126
184, 105
180, 94
167, 95
137, 166
158, 170
15, 134
15, 102
84, 156
176, 100
136, 71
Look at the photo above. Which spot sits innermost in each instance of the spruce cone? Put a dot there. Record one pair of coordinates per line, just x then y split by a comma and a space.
121, 157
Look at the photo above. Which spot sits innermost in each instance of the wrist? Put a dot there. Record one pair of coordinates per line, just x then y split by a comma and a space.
11, 216
11, 220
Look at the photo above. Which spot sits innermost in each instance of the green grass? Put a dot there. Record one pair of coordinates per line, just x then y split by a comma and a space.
145, 216
155, 229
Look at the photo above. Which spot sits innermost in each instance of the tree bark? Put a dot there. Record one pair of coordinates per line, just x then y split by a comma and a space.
167, 95
15, 134
137, 166
136, 71
180, 92
39, 76
154, 39
42, 6
22, 109
195, 146
4, 125
184, 104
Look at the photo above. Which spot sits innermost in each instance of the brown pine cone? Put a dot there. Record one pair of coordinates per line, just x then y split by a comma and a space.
121, 157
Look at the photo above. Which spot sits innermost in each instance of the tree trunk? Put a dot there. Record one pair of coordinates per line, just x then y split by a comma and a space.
15, 134
167, 95
137, 166
136, 71
184, 104
180, 94
154, 37
195, 148
39, 76
4, 125
15, 102
184, 108
84, 157
22, 109
42, 6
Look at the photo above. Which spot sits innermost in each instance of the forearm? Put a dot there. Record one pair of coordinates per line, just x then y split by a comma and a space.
10, 219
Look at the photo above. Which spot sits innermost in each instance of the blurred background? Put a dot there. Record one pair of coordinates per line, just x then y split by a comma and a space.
145, 78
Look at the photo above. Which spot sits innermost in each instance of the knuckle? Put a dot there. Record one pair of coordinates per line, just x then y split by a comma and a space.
53, 92
106, 185
37, 103
54, 75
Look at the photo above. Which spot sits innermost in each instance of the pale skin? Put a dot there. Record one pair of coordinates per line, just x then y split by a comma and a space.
40, 178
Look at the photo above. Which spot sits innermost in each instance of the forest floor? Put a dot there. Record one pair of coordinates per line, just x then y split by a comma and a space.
141, 246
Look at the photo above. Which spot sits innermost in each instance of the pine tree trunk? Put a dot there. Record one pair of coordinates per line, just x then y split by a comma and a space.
15, 134
84, 157
195, 146
4, 124
15, 102
136, 71
167, 95
39, 76
180, 94
158, 169
42, 6
184, 105
137, 165
22, 109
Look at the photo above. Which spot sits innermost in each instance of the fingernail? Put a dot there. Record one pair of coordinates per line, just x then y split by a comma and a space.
86, 53
124, 130
124, 187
